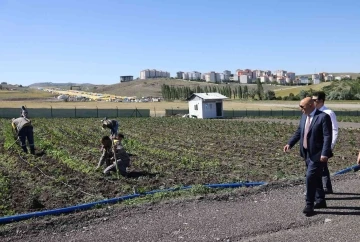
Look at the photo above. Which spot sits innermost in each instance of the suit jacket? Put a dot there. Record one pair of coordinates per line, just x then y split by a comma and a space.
318, 139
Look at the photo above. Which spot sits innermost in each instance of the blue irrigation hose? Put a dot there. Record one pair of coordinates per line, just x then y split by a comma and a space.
348, 169
19, 217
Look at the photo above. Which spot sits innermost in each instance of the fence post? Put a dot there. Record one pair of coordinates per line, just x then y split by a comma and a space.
117, 112
136, 112
233, 113
97, 112
75, 111
51, 111
282, 112
155, 112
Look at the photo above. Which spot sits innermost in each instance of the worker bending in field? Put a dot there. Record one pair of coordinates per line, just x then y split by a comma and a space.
114, 157
107, 153
24, 130
111, 124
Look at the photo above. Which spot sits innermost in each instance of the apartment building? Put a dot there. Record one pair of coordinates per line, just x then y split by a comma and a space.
153, 73
212, 76
304, 80
194, 75
290, 75
280, 73
246, 79
264, 79
315, 76
328, 78
179, 74
126, 78
225, 76
281, 80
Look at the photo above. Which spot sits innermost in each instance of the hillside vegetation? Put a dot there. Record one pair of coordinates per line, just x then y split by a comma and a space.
152, 87
287, 90
343, 90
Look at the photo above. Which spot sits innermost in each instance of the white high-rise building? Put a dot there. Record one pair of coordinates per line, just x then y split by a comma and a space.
211, 77
185, 75
146, 74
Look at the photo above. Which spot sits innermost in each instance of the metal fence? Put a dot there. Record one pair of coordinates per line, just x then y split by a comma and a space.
258, 113
75, 113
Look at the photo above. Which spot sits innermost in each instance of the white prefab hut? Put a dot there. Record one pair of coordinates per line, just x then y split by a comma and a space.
206, 105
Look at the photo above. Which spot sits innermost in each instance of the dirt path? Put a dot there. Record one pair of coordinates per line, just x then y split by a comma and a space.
270, 213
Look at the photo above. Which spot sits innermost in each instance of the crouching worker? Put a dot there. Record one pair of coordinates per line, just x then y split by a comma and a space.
111, 124
24, 130
119, 157
107, 154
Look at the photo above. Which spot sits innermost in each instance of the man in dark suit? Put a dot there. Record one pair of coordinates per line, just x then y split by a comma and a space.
315, 136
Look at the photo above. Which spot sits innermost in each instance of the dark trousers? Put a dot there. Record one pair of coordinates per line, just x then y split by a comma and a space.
326, 178
314, 186
27, 133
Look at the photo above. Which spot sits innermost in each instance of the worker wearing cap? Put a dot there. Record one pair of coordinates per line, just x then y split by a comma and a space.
111, 124
24, 130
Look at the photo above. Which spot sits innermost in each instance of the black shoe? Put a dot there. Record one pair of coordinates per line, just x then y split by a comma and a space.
321, 204
328, 191
308, 210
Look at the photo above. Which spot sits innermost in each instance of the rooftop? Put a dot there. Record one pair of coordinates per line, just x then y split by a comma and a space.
208, 95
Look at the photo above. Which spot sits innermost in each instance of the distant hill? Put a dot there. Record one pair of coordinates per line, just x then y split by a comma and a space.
354, 75
152, 87
83, 86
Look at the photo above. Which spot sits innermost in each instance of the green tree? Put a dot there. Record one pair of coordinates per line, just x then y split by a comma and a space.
259, 89
270, 95
240, 92
252, 93
245, 92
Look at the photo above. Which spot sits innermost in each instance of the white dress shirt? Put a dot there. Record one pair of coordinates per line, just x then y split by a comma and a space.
334, 123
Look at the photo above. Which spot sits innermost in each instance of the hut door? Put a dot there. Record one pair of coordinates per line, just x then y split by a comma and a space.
218, 109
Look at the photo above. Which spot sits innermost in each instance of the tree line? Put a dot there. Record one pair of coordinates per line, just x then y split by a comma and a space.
170, 92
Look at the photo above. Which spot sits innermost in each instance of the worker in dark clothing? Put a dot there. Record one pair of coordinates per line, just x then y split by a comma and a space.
107, 153
111, 124
24, 130
120, 158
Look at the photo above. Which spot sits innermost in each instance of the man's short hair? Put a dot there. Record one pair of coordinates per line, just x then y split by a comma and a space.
320, 95
121, 135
